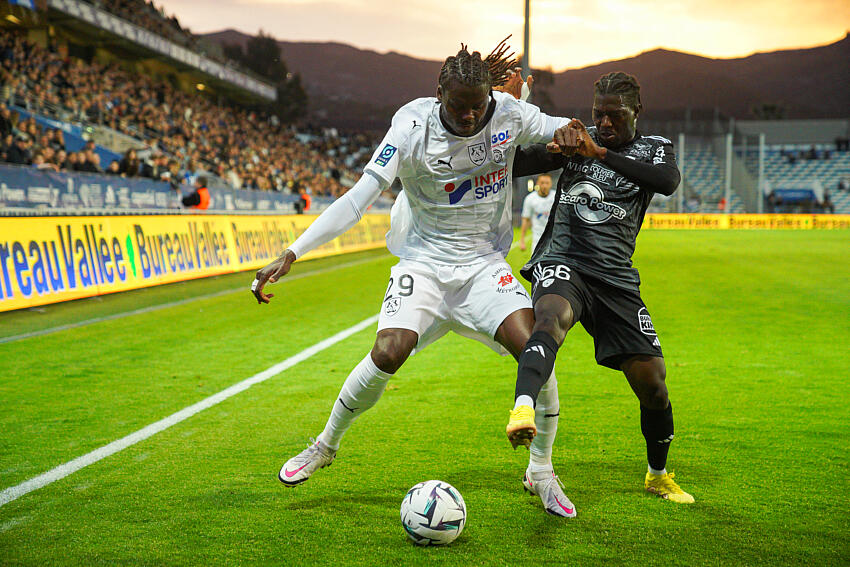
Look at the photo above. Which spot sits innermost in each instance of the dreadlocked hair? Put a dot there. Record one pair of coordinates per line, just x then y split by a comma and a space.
469, 69
622, 84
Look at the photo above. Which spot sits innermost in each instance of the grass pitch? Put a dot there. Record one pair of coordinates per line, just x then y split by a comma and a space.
754, 326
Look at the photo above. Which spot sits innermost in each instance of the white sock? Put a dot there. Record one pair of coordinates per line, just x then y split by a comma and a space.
655, 472
540, 457
361, 390
523, 400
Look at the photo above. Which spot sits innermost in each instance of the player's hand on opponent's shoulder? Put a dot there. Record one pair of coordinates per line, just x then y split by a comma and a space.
270, 274
515, 83
574, 139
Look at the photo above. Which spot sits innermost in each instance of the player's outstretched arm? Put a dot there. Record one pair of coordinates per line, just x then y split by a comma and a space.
343, 213
660, 176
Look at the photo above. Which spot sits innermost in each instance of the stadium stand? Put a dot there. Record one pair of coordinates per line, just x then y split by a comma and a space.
799, 165
243, 147
704, 183
53, 100
148, 16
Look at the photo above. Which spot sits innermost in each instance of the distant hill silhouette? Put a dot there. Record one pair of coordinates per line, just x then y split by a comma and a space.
355, 88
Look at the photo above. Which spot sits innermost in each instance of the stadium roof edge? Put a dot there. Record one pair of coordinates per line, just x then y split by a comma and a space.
114, 25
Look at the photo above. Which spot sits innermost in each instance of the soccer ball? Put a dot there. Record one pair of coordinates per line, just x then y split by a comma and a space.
433, 513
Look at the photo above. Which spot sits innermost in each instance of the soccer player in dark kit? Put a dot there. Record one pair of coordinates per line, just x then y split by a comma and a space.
581, 270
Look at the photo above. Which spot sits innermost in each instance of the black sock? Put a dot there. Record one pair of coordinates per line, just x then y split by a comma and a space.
535, 364
657, 429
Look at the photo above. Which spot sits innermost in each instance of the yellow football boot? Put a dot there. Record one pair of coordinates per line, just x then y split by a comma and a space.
664, 486
521, 429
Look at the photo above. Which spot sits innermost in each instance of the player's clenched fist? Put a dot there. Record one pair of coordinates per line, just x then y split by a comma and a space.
574, 139
270, 274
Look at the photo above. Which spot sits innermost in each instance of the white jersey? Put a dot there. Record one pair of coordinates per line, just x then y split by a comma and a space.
455, 206
537, 209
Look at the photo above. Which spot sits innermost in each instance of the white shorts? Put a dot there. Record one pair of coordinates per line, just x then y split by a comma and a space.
471, 300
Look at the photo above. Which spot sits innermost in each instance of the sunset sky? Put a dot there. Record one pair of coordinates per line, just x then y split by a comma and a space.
566, 34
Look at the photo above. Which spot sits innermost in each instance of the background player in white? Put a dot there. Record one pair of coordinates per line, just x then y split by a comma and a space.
535, 210
451, 229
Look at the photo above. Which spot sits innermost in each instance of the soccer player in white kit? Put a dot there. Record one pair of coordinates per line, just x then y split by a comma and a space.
451, 230
535, 210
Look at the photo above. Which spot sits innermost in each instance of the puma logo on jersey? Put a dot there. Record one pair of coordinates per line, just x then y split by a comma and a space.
538, 349
447, 163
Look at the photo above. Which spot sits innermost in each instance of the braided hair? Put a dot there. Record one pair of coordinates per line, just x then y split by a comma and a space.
469, 69
622, 84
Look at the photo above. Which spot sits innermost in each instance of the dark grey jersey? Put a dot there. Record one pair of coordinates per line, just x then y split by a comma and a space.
600, 205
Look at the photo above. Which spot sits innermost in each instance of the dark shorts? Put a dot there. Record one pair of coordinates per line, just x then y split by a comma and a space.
616, 318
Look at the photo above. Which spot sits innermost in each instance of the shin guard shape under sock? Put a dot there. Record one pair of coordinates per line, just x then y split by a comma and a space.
535, 364
657, 429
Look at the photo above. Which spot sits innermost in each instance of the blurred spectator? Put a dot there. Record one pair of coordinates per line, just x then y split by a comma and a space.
114, 168
5, 121
200, 197
826, 205
73, 161
90, 162
56, 139
304, 201
130, 165
172, 175
843, 185
6, 142
61, 160
842, 144
39, 162
151, 167
19, 152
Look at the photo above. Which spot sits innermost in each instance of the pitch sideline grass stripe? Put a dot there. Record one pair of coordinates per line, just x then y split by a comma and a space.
151, 308
60, 472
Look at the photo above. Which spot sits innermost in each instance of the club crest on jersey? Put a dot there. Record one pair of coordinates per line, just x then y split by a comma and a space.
639, 150
477, 153
392, 306
645, 322
589, 203
484, 186
386, 155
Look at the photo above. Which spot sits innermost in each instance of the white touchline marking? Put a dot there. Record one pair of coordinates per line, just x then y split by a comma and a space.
123, 314
60, 472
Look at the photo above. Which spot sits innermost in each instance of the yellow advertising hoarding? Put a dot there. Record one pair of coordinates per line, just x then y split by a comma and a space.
744, 221
50, 259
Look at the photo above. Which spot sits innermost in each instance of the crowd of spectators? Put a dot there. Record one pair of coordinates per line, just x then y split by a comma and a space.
774, 203
791, 156
26, 143
154, 19
245, 148
147, 16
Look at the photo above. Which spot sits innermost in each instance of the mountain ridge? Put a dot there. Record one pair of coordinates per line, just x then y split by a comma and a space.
360, 88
